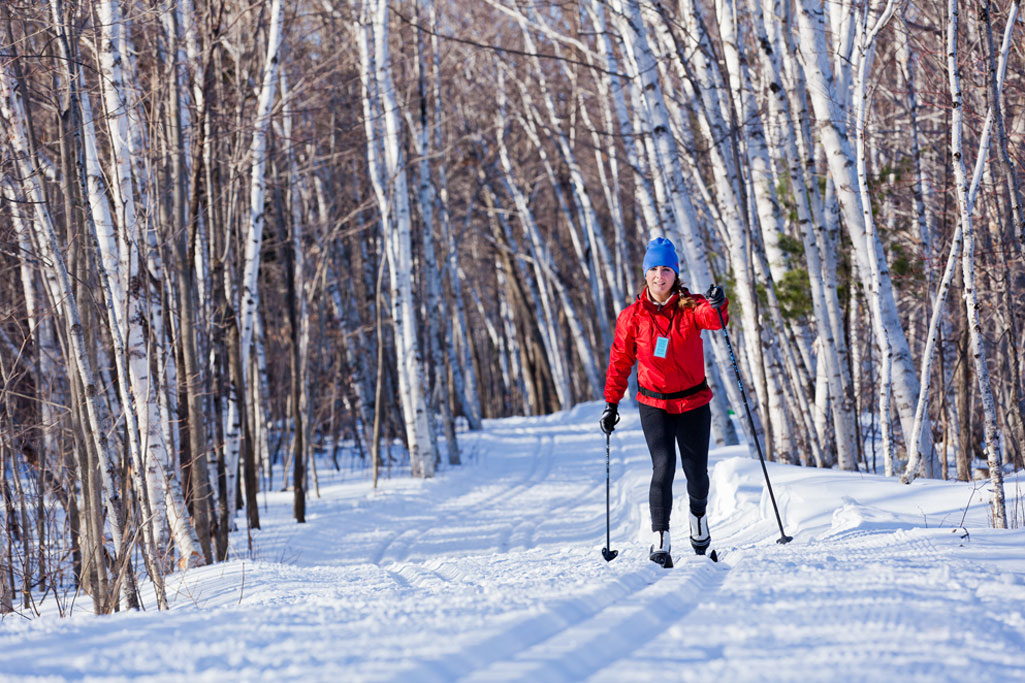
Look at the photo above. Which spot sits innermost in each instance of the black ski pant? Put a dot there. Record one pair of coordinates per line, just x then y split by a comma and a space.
663, 431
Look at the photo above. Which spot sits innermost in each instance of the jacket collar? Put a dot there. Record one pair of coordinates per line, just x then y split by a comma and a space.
652, 307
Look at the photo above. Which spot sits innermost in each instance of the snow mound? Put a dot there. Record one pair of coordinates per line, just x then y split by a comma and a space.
852, 515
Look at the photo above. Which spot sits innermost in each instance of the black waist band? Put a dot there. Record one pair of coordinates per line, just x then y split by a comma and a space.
676, 394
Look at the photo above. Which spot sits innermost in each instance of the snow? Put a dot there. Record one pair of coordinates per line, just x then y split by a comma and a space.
493, 571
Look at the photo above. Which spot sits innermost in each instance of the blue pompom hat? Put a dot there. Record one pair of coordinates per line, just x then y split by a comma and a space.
661, 252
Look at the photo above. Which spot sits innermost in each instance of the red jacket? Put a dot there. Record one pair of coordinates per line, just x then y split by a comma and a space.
638, 329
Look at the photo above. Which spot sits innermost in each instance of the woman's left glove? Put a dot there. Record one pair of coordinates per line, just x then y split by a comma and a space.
610, 418
716, 297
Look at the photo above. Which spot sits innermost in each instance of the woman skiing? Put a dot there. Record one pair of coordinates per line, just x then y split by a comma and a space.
661, 331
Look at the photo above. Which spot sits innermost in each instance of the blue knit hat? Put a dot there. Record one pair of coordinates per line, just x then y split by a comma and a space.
661, 252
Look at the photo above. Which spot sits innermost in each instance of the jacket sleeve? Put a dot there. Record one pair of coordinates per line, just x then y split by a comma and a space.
621, 357
706, 316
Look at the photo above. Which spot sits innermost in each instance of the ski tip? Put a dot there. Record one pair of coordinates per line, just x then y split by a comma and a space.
713, 556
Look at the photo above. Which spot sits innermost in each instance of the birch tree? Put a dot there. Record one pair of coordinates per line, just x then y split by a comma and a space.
971, 295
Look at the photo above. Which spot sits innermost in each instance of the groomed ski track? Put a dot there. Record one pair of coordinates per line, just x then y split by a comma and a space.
493, 571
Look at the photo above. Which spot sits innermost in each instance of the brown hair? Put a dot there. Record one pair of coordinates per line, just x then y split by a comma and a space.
685, 301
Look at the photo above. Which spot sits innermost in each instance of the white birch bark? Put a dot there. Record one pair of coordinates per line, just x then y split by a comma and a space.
753, 137
506, 364
61, 292
40, 326
397, 224
173, 17
6, 589
258, 181
582, 246
868, 29
949, 270
907, 62
541, 312
609, 180
296, 191
824, 214
581, 235
187, 23
260, 394
250, 295
841, 162
978, 347
117, 257
598, 253
436, 318
464, 375
779, 108
547, 323
165, 497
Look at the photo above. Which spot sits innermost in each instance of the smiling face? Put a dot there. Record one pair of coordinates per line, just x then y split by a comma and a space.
660, 280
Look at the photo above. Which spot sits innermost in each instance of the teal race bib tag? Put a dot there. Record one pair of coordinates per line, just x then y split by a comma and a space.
661, 346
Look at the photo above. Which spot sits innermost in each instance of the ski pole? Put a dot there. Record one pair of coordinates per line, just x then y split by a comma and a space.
783, 538
607, 552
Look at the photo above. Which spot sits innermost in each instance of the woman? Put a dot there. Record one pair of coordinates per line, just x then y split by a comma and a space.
661, 331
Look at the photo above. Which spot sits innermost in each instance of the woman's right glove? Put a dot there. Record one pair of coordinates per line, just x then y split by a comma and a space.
610, 418
716, 297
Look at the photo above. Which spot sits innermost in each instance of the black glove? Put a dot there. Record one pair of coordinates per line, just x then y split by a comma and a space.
716, 297
610, 418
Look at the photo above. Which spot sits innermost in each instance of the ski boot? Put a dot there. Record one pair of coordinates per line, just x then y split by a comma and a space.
659, 550
700, 539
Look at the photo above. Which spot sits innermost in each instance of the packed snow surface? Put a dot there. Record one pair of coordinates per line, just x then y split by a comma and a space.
493, 571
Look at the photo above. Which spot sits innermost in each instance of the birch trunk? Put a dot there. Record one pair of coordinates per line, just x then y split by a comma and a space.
250, 296
464, 385
643, 191
978, 348
540, 257
258, 182
300, 289
393, 201
437, 314
61, 292
164, 500
950, 269
876, 266
1004, 160
597, 252
842, 164
804, 198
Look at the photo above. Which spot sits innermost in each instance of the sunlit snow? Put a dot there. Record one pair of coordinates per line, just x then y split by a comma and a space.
493, 571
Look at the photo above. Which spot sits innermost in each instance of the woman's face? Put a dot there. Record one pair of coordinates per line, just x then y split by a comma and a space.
660, 281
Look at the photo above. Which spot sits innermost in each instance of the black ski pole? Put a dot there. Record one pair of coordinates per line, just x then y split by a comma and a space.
607, 551
783, 538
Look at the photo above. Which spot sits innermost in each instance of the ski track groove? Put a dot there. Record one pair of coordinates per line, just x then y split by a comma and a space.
554, 619
586, 646
573, 639
457, 508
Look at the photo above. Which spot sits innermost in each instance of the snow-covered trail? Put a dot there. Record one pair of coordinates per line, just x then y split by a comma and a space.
493, 571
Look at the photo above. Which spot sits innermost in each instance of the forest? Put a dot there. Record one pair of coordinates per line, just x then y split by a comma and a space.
239, 238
